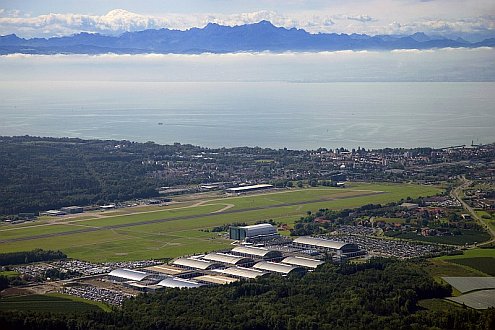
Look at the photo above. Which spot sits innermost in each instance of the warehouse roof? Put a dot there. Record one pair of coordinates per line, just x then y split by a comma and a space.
175, 282
216, 279
195, 263
276, 267
166, 269
227, 258
242, 272
129, 274
321, 242
257, 251
304, 262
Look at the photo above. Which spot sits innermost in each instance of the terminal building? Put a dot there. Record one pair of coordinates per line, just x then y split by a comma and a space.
247, 232
341, 249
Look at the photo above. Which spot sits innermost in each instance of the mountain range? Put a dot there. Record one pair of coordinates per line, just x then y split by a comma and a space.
214, 38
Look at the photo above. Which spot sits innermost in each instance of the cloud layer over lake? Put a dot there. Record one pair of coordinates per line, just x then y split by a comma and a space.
345, 66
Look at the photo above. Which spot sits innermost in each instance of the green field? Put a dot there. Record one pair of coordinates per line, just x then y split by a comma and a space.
438, 305
55, 303
481, 261
483, 264
180, 230
467, 237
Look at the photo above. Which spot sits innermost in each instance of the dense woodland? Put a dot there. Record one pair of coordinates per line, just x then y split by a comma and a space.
381, 294
26, 257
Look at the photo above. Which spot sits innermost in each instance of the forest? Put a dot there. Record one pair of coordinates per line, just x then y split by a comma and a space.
379, 294
26, 257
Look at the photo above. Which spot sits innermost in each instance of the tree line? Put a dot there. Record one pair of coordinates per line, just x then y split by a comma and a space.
380, 294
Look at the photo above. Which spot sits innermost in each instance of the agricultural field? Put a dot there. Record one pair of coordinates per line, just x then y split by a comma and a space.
480, 260
181, 229
54, 303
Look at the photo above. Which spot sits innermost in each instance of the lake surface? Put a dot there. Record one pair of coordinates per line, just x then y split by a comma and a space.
298, 101
268, 114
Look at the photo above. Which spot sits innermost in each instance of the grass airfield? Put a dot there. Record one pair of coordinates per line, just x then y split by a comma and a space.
181, 228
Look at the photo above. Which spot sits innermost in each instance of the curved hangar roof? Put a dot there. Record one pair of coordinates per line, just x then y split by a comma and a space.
174, 282
279, 268
247, 273
129, 274
325, 243
196, 264
257, 252
304, 262
227, 258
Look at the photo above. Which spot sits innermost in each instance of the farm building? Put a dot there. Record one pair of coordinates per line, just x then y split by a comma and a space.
303, 262
190, 263
229, 259
124, 274
241, 233
257, 252
279, 268
340, 248
241, 272
244, 189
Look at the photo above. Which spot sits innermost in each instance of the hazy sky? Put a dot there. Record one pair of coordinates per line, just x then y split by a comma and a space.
470, 19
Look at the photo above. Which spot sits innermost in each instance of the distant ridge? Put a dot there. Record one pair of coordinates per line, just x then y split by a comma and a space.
215, 38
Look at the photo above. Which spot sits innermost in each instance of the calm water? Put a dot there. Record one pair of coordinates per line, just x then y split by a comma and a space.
268, 114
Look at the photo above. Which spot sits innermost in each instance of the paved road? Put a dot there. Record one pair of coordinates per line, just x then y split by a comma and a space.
455, 193
132, 224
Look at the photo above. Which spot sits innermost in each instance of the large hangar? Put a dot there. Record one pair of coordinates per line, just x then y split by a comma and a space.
124, 274
257, 252
278, 268
242, 273
245, 232
303, 262
229, 259
340, 248
190, 263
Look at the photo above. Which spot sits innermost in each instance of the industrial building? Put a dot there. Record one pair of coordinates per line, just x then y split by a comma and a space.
123, 275
175, 282
322, 244
229, 259
244, 189
190, 263
303, 262
245, 232
215, 279
257, 253
242, 273
72, 209
279, 268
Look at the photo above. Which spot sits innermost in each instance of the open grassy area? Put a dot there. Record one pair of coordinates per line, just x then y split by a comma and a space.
467, 237
473, 262
179, 230
438, 304
48, 303
483, 264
